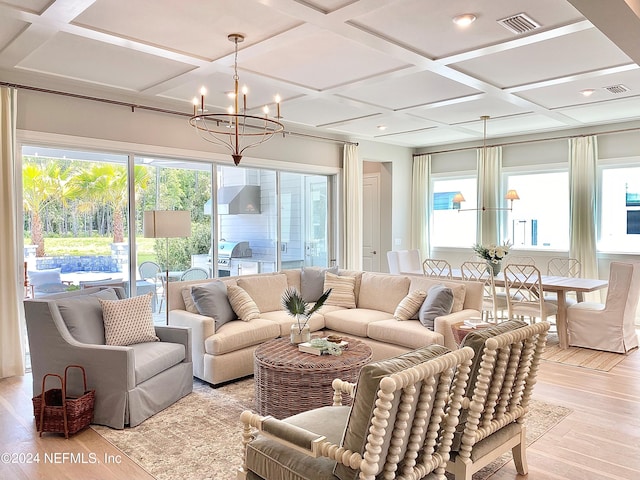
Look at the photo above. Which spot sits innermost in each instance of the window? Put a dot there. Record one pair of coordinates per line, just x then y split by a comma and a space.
540, 219
620, 207
451, 227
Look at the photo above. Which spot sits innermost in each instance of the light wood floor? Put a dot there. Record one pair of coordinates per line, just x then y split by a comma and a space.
599, 440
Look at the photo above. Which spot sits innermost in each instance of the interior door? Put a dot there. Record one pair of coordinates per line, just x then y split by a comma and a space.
371, 222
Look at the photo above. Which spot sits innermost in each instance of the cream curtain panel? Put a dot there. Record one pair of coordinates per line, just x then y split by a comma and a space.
11, 310
352, 208
582, 203
421, 205
489, 195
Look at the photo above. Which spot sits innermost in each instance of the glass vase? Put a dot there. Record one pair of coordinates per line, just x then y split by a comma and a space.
494, 268
300, 335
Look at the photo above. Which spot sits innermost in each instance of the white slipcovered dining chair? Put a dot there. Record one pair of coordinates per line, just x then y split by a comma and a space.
525, 297
609, 326
392, 260
409, 261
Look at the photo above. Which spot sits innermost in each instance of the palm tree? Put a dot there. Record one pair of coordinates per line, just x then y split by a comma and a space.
106, 183
39, 189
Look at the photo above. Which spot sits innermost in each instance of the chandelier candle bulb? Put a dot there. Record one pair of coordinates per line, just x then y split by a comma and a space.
278, 105
203, 91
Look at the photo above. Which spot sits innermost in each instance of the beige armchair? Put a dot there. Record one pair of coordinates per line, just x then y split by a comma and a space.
503, 373
610, 326
401, 423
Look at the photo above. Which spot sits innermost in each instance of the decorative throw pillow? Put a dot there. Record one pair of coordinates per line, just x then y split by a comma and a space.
211, 300
187, 298
82, 314
242, 303
459, 292
410, 305
438, 302
312, 282
342, 290
265, 290
128, 321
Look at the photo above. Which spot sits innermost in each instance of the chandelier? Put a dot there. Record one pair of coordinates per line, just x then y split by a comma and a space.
511, 194
235, 130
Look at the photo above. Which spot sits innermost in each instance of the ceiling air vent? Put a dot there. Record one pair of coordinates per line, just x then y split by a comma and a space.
615, 89
520, 23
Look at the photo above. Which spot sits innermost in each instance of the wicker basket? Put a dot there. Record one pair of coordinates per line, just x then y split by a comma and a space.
56, 412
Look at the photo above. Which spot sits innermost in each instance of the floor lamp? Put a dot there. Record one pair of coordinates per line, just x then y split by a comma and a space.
167, 224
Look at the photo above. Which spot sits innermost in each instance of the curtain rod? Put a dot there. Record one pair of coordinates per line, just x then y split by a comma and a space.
520, 142
133, 107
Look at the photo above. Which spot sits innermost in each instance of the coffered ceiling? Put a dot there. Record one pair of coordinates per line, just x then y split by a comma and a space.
348, 67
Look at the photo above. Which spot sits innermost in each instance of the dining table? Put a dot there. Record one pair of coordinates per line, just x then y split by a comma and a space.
560, 286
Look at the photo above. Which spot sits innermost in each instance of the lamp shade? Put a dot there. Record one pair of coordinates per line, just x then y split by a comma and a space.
512, 195
167, 223
457, 198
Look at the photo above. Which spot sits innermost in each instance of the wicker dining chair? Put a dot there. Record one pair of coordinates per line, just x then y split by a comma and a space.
492, 301
433, 267
525, 297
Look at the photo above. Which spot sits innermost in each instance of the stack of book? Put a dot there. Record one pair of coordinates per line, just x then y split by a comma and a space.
308, 348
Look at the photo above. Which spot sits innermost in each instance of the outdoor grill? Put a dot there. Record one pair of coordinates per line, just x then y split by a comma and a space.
229, 250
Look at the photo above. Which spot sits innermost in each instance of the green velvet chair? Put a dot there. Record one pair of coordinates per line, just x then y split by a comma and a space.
402, 421
503, 373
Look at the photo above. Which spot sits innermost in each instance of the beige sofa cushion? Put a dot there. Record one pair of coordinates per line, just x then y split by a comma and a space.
237, 335
284, 320
382, 292
265, 290
342, 290
353, 321
409, 333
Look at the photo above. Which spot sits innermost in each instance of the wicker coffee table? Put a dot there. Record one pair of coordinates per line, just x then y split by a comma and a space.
289, 381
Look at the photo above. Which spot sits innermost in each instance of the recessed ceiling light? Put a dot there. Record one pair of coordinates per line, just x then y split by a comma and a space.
587, 92
381, 127
464, 20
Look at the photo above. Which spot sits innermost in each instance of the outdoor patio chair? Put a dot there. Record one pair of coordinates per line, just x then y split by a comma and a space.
150, 272
401, 423
194, 273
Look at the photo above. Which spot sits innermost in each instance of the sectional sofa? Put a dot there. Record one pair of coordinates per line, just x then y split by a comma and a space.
364, 309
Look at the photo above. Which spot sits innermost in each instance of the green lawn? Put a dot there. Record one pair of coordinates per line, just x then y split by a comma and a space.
57, 246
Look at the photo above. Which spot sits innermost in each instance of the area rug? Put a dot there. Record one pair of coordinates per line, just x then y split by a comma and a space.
199, 437
581, 357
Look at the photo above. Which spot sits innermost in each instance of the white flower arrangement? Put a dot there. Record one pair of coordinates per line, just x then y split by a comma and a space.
492, 253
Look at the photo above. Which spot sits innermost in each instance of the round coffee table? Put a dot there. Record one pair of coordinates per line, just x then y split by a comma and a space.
289, 381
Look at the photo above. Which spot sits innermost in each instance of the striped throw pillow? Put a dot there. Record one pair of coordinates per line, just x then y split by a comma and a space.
410, 305
342, 290
242, 303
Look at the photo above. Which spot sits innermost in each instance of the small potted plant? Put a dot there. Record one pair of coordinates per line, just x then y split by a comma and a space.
299, 309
